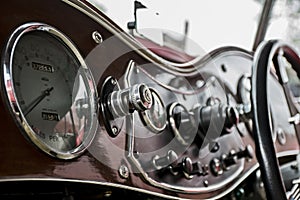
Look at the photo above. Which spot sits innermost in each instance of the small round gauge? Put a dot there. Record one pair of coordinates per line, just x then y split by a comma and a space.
155, 118
50, 89
182, 123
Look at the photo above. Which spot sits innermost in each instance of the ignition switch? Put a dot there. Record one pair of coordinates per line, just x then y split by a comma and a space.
123, 102
117, 103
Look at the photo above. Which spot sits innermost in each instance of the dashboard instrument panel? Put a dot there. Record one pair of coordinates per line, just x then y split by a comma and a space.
104, 110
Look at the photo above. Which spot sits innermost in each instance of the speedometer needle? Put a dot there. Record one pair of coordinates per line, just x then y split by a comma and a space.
37, 100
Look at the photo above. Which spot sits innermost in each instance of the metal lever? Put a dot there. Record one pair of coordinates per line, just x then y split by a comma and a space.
295, 119
169, 159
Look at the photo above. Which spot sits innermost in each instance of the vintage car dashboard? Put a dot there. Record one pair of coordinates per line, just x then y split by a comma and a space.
83, 102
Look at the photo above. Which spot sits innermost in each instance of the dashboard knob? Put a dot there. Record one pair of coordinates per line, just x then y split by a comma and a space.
168, 160
221, 118
199, 169
123, 102
185, 167
248, 152
232, 117
189, 169
216, 167
229, 160
233, 157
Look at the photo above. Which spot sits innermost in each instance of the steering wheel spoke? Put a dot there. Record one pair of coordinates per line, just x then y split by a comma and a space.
283, 51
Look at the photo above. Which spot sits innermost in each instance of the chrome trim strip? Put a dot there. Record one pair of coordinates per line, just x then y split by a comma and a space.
116, 185
91, 182
174, 68
109, 184
287, 153
130, 41
224, 52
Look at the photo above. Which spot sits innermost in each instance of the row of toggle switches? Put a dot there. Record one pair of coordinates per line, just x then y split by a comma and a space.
186, 166
217, 166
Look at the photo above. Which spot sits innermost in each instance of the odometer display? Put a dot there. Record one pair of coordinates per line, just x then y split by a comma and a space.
50, 116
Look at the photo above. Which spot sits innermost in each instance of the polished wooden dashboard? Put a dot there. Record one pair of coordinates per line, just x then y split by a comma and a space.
123, 158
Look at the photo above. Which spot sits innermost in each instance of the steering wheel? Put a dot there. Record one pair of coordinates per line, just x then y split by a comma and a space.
270, 52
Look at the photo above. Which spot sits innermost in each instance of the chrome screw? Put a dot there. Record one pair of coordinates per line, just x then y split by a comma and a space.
114, 130
108, 194
281, 136
97, 37
123, 171
113, 81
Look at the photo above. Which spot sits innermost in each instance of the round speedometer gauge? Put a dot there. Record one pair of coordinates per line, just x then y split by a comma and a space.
50, 90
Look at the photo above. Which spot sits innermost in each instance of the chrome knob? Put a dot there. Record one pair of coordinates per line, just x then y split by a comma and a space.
233, 156
216, 167
186, 166
222, 116
167, 160
229, 160
123, 102
248, 152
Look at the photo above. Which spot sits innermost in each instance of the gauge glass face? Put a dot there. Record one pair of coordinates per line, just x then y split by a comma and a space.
52, 93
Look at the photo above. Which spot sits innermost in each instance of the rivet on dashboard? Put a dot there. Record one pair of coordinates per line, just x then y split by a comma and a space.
200, 83
214, 146
115, 130
123, 171
97, 37
205, 183
107, 194
136, 154
281, 136
113, 81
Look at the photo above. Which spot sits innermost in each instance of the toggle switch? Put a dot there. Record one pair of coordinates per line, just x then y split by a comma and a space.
233, 156
168, 160
189, 169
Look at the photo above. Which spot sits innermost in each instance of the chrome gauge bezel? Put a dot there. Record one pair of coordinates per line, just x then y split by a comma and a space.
11, 96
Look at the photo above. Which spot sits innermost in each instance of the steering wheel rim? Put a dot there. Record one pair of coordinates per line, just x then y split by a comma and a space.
265, 150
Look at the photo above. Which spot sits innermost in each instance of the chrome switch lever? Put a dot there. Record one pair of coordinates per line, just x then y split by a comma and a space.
189, 169
168, 160
248, 152
295, 119
233, 157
